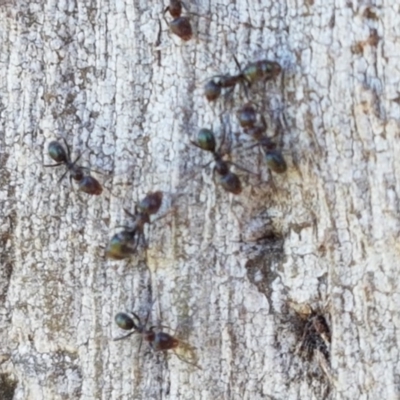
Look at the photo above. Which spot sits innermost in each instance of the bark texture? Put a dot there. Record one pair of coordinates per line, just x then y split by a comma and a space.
240, 277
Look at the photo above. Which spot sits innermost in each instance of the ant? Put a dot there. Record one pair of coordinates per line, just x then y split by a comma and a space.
228, 180
247, 117
212, 89
86, 182
262, 70
180, 26
125, 243
253, 72
158, 341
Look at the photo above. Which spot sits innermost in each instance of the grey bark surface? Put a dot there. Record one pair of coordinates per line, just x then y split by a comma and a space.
229, 272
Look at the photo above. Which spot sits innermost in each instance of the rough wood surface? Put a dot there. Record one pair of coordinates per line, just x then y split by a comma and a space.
235, 274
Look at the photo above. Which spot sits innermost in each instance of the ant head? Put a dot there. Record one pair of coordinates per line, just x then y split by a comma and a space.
76, 173
149, 335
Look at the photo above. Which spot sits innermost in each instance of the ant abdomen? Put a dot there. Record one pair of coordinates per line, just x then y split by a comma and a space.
231, 183
57, 152
90, 185
124, 321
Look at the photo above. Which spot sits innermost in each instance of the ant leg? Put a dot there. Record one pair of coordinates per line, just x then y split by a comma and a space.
63, 176
242, 168
245, 85
183, 4
213, 175
138, 319
124, 337
206, 165
140, 343
143, 327
242, 143
143, 239
229, 93
68, 150
222, 140
237, 62
163, 216
52, 165
160, 326
252, 146
194, 144
72, 185
130, 214
165, 19
76, 160
92, 170
124, 226
140, 328
148, 313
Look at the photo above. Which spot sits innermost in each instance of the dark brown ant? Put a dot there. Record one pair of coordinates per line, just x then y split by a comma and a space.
180, 26
247, 116
251, 73
86, 182
157, 340
228, 180
124, 244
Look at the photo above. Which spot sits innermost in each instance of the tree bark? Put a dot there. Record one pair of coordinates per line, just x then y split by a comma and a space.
242, 279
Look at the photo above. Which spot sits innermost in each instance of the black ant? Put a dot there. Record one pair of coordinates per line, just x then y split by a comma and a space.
180, 26
228, 180
213, 88
253, 72
262, 70
86, 182
125, 243
247, 117
157, 340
